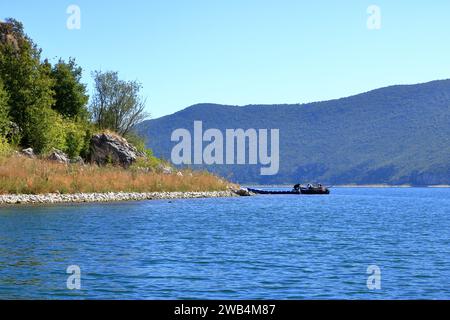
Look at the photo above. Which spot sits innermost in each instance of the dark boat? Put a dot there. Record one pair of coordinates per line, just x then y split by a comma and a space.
298, 189
315, 190
259, 191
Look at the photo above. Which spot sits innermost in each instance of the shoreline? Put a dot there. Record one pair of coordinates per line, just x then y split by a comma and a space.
357, 186
55, 198
389, 186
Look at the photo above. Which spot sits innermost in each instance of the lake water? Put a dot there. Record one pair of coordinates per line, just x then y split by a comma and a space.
262, 247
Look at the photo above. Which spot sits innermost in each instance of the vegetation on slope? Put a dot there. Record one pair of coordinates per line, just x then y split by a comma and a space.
394, 135
45, 107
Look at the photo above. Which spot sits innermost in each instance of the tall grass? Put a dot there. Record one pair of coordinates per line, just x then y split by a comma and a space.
20, 175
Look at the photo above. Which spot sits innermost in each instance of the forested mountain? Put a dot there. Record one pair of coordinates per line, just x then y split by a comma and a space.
394, 135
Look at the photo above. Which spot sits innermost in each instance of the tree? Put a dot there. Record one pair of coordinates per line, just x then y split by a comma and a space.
25, 78
116, 104
4, 111
70, 93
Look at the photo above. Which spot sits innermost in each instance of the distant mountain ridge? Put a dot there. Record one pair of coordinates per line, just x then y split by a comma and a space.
393, 135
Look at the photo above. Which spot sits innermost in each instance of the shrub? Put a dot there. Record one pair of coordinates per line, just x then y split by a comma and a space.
86, 148
51, 130
5, 148
75, 139
148, 162
137, 141
48, 130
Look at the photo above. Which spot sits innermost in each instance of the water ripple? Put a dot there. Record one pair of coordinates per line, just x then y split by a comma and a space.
266, 247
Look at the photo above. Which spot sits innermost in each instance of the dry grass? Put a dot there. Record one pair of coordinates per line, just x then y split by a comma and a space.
20, 175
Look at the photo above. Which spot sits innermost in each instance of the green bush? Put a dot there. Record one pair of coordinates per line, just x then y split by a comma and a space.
137, 141
5, 148
48, 130
75, 139
51, 130
149, 162
86, 148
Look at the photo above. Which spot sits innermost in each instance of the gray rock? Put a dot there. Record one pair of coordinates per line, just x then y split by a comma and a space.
13, 131
165, 169
108, 148
77, 160
11, 199
58, 156
28, 153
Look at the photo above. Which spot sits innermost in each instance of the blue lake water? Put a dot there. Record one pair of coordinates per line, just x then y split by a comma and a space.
262, 247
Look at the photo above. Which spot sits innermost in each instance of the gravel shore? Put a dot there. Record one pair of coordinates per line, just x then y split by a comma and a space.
108, 197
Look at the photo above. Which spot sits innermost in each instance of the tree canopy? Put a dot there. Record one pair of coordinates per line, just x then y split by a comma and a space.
117, 104
27, 80
4, 111
70, 93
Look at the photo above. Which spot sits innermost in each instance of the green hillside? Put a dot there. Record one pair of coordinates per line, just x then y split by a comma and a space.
393, 135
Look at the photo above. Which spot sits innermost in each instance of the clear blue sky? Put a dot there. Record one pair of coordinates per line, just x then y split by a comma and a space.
245, 51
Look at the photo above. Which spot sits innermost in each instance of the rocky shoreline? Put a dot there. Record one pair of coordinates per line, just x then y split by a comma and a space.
54, 198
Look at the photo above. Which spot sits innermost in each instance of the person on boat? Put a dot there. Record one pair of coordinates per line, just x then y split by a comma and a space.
297, 187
